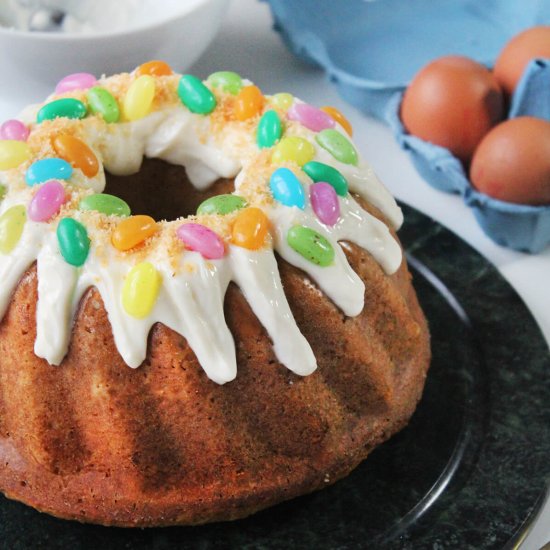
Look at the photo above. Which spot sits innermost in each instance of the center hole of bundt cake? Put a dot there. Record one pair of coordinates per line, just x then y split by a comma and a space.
162, 190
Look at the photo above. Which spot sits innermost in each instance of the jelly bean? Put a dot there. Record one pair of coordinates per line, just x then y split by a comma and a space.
139, 98
324, 202
202, 239
282, 101
293, 149
269, 130
12, 222
13, 153
286, 188
76, 152
106, 204
221, 204
76, 81
336, 115
62, 108
338, 146
311, 245
3, 191
14, 130
195, 95
154, 68
141, 289
248, 103
102, 103
312, 118
250, 228
133, 231
227, 81
48, 169
319, 171
47, 201
73, 241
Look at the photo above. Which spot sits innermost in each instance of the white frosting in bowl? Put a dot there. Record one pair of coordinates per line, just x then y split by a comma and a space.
90, 16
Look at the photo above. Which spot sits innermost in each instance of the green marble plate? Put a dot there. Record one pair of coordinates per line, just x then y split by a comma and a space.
468, 471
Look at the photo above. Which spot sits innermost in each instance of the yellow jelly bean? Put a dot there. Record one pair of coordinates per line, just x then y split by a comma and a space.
336, 115
139, 98
250, 228
12, 222
76, 153
13, 153
294, 149
282, 101
140, 290
154, 68
133, 231
249, 102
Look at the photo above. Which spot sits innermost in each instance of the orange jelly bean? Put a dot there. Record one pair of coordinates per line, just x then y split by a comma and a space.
76, 153
248, 103
133, 231
250, 228
154, 68
334, 113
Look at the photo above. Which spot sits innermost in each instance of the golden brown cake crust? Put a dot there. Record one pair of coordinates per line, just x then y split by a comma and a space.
96, 441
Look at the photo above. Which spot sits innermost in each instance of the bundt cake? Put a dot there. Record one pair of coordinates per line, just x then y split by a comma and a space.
272, 317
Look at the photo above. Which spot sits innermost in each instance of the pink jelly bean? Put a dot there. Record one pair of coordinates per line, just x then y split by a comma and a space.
14, 129
201, 239
47, 201
310, 117
76, 81
324, 202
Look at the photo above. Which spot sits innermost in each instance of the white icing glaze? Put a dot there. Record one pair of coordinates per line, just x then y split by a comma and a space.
192, 293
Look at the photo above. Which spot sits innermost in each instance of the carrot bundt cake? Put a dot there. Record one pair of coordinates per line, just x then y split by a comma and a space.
205, 308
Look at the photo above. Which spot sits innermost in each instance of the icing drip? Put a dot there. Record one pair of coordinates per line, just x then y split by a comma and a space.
191, 296
257, 275
339, 281
56, 285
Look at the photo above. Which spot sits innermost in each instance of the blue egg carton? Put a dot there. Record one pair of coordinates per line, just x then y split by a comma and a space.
372, 49
521, 227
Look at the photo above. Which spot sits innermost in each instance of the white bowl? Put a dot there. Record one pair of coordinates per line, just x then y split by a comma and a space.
31, 63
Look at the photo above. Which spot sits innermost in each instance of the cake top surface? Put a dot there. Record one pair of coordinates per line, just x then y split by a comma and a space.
296, 172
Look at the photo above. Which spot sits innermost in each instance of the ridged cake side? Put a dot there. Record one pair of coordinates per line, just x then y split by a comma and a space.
96, 441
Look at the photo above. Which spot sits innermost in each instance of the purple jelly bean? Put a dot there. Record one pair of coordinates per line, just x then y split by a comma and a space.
310, 117
47, 201
76, 81
201, 239
324, 202
14, 129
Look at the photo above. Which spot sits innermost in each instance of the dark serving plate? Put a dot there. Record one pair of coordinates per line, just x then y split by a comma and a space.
468, 472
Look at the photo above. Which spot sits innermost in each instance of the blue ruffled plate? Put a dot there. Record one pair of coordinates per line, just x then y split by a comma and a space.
372, 49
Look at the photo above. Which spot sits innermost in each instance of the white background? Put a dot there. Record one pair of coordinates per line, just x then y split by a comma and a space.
248, 45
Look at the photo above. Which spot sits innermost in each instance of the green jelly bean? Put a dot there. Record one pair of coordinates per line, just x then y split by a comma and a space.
227, 81
3, 191
338, 146
73, 241
269, 130
318, 171
311, 245
66, 107
221, 204
106, 204
195, 95
101, 102
12, 222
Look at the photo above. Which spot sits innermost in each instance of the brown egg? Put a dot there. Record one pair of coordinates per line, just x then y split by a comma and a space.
512, 163
453, 102
516, 54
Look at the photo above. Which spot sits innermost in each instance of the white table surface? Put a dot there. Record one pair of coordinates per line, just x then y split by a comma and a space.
248, 45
